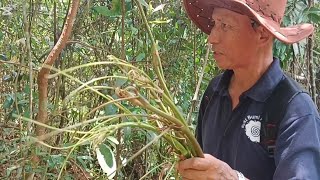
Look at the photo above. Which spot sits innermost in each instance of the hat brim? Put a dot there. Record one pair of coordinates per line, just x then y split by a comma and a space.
200, 12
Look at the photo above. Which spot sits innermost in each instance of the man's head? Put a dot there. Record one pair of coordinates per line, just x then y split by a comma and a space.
237, 39
268, 13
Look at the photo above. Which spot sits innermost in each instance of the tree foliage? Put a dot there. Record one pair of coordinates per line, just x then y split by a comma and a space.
103, 28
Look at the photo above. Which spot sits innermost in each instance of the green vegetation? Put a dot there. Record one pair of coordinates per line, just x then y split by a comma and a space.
122, 94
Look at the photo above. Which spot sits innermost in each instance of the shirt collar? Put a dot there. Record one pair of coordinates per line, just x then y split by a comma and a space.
261, 90
221, 87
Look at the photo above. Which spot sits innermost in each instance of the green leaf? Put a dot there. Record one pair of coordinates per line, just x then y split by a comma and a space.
26, 114
82, 162
312, 10
27, 89
3, 57
158, 8
134, 31
106, 160
140, 57
114, 9
113, 140
7, 78
23, 102
55, 160
10, 169
143, 2
1, 36
103, 10
160, 21
8, 102
107, 154
110, 109
314, 18
120, 81
127, 132
116, 5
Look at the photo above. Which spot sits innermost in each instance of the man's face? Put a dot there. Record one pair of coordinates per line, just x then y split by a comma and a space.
233, 39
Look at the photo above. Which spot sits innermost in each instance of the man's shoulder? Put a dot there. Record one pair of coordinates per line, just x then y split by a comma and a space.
301, 104
213, 84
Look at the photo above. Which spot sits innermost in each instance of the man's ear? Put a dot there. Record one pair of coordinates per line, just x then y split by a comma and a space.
264, 36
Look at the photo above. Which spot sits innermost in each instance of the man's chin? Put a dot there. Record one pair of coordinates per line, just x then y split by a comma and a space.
222, 66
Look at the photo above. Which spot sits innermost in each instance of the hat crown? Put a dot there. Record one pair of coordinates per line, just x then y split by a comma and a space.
272, 9
268, 13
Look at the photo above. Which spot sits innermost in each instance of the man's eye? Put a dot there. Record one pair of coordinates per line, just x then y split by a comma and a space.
223, 25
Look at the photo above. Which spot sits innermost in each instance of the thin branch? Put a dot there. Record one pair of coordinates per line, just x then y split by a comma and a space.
44, 72
28, 49
42, 116
17, 64
196, 94
87, 45
313, 88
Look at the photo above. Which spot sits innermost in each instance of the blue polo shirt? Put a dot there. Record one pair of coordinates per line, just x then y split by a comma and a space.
233, 136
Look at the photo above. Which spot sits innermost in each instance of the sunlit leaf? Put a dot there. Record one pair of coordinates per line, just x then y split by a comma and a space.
295, 47
160, 21
113, 140
107, 154
158, 8
106, 160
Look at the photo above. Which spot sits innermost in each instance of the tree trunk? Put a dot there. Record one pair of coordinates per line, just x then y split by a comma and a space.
42, 116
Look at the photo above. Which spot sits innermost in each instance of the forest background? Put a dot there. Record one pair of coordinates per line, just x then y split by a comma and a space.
82, 83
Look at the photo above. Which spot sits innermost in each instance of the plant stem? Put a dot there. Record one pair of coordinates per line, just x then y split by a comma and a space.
157, 64
157, 61
196, 94
180, 125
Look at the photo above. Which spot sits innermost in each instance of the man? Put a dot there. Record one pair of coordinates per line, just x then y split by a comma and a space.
241, 33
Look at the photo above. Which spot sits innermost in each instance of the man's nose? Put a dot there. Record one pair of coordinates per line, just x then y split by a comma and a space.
214, 36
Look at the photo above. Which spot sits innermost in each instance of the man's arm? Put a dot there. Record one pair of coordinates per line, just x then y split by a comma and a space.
297, 153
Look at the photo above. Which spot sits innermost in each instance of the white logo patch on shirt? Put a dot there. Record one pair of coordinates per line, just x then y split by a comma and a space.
252, 125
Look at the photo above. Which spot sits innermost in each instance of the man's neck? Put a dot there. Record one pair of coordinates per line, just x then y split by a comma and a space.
244, 78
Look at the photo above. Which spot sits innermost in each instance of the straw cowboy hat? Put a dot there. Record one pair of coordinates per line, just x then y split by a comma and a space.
268, 13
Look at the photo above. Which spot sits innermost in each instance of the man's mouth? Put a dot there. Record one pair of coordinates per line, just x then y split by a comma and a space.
217, 53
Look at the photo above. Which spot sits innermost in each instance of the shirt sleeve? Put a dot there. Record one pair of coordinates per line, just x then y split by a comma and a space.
297, 153
199, 122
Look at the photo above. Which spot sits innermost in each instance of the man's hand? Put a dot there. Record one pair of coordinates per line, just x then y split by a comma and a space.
206, 168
